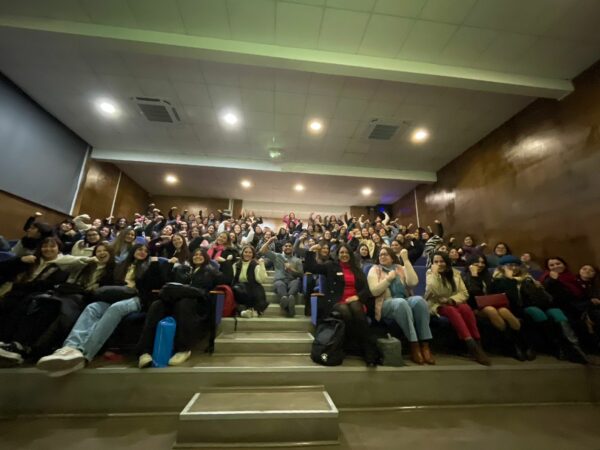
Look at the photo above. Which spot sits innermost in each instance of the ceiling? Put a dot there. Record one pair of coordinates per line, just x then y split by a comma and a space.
457, 67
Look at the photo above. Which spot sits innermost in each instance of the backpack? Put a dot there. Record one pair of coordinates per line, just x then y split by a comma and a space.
229, 306
328, 346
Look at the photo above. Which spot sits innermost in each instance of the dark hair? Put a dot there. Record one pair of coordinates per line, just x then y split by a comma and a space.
119, 241
204, 253
474, 258
354, 267
109, 268
391, 253
558, 258
508, 251
182, 255
46, 240
448, 273
140, 266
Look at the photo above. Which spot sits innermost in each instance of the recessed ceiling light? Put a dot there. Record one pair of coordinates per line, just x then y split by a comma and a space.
246, 184
367, 191
274, 153
299, 187
420, 135
315, 126
230, 118
107, 107
171, 179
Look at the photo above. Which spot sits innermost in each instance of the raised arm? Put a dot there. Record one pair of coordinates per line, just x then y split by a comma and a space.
412, 279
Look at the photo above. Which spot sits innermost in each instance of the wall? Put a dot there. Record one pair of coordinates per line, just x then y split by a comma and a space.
192, 204
41, 158
99, 188
14, 211
533, 182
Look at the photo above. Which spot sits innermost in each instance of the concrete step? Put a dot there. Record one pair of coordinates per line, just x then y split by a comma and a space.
265, 416
272, 298
267, 323
264, 342
274, 310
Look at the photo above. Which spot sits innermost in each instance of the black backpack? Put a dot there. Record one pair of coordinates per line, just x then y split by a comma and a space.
328, 346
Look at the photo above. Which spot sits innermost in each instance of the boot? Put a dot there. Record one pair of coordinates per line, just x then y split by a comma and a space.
525, 344
553, 339
512, 336
415, 353
477, 352
426, 352
571, 344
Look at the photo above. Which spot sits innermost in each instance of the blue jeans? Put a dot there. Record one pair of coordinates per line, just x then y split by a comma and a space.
412, 315
96, 323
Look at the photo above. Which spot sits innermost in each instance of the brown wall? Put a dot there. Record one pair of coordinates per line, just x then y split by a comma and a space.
533, 182
192, 204
14, 211
98, 191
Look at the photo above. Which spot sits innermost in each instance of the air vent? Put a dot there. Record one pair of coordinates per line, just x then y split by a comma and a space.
383, 132
157, 110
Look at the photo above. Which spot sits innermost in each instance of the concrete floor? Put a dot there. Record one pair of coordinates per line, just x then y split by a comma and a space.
557, 427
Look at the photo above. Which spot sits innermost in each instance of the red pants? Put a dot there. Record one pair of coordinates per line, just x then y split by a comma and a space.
462, 319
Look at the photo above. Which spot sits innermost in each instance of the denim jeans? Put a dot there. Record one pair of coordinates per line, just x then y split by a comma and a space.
538, 315
96, 323
412, 315
285, 288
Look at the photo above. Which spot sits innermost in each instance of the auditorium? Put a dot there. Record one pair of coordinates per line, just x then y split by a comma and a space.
248, 224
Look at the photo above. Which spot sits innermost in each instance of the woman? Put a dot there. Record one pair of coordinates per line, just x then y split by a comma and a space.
123, 243
189, 310
528, 298
479, 282
455, 258
160, 246
346, 292
528, 261
470, 249
378, 244
85, 247
67, 234
100, 318
246, 278
447, 295
41, 322
363, 256
501, 249
390, 283
564, 288
178, 250
222, 250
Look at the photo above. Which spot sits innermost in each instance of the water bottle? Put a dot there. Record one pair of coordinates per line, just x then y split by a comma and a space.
163, 342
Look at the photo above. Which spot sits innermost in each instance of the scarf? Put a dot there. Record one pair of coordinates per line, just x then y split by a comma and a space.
568, 280
397, 287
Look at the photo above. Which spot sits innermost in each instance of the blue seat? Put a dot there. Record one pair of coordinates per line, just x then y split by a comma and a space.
6, 256
419, 289
366, 268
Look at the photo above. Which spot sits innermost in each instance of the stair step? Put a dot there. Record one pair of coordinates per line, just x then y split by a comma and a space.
267, 323
272, 298
264, 342
274, 310
259, 416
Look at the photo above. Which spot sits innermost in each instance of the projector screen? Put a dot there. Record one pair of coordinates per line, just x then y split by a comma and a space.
40, 159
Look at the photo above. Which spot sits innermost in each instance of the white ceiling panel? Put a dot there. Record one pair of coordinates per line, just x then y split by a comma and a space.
298, 25
404, 8
252, 21
110, 12
342, 30
160, 15
289, 103
385, 35
447, 11
205, 17
426, 40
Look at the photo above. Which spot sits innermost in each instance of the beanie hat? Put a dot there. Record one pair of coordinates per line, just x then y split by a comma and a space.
508, 259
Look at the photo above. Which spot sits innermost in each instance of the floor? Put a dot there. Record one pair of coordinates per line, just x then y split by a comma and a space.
560, 427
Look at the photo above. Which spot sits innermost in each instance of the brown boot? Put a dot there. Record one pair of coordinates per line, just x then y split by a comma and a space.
426, 352
477, 352
415, 353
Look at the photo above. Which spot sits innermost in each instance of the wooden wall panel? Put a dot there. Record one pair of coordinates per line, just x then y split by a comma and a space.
98, 190
534, 182
404, 208
131, 198
14, 211
192, 204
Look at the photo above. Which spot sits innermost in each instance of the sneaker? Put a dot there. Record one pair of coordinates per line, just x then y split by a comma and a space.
255, 313
9, 359
62, 362
144, 360
283, 303
291, 307
179, 358
247, 313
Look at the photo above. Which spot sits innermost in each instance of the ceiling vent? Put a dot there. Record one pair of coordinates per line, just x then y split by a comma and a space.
157, 110
384, 130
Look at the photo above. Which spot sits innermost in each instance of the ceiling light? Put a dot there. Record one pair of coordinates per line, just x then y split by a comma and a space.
420, 135
230, 118
171, 179
246, 184
274, 153
367, 191
299, 187
315, 126
107, 107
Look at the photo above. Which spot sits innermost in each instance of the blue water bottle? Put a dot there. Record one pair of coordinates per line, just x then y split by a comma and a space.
163, 342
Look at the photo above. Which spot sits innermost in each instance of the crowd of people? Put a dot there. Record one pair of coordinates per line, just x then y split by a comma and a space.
65, 289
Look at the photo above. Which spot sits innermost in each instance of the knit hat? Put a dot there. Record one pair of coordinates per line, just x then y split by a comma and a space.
508, 259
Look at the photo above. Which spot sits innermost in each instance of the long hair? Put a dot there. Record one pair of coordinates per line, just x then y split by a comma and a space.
241, 260
547, 260
204, 253
109, 268
448, 273
183, 254
119, 241
140, 266
354, 267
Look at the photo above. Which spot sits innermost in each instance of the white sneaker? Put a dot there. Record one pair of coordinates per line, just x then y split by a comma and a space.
9, 359
247, 313
63, 361
255, 313
144, 360
179, 358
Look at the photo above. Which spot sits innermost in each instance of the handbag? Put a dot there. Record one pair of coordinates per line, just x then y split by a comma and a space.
241, 294
493, 300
